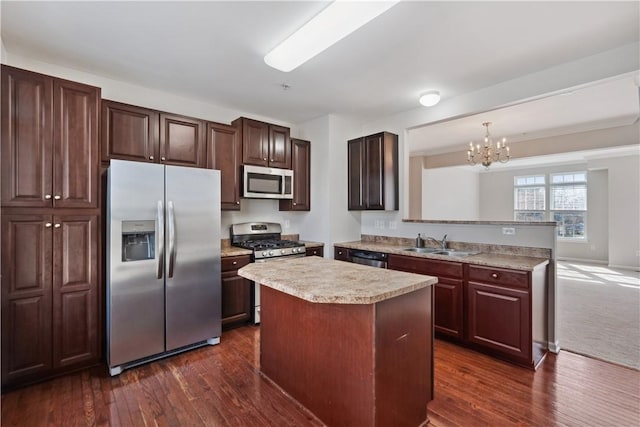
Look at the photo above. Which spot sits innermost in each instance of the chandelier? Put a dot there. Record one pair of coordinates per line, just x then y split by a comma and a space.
490, 152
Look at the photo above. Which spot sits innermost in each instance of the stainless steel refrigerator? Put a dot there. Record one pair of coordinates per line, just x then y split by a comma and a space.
163, 261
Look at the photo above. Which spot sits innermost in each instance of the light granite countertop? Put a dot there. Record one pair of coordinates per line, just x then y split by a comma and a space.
515, 262
321, 280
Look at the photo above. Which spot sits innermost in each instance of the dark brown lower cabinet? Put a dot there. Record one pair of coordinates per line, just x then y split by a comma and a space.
50, 297
341, 254
448, 292
499, 311
319, 251
236, 292
499, 319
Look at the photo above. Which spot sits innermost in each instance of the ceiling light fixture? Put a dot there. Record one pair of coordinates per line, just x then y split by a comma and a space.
488, 153
336, 21
429, 99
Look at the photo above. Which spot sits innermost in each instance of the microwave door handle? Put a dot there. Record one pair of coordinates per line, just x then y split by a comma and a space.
171, 222
160, 238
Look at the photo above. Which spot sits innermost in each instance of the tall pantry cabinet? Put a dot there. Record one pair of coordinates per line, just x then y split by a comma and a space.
50, 216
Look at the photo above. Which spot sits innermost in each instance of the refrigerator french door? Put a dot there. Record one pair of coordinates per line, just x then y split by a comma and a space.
163, 261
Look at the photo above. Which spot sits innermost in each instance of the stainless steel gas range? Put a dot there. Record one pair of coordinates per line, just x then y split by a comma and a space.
264, 239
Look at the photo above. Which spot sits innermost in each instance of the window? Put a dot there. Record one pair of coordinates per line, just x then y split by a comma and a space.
567, 201
568, 204
529, 198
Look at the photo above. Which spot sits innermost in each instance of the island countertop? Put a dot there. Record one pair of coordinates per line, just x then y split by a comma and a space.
321, 280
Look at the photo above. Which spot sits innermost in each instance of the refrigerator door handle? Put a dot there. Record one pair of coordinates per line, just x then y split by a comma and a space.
160, 239
171, 222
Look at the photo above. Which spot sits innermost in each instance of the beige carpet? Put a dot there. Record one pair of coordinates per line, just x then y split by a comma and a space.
599, 312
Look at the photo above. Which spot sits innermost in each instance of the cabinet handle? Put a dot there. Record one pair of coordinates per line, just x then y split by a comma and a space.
265, 159
56, 197
238, 202
47, 196
150, 157
494, 275
339, 252
48, 225
56, 225
234, 263
294, 203
163, 159
271, 160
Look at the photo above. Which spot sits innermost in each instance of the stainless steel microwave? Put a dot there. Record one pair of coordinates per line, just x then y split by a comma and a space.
267, 183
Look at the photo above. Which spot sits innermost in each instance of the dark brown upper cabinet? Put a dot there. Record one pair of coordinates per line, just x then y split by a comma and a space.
129, 132
373, 172
140, 134
301, 165
49, 143
224, 153
264, 144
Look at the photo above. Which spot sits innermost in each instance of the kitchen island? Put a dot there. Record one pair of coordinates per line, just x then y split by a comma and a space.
351, 343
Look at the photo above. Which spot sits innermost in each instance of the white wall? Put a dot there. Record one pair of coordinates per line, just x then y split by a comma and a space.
623, 209
459, 202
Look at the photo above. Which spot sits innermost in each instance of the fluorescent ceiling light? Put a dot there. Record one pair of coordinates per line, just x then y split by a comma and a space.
430, 98
336, 21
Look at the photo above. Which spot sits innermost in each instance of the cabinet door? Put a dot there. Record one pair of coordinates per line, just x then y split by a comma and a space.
75, 290
499, 319
26, 295
129, 133
76, 158
223, 153
301, 164
374, 169
255, 142
356, 165
236, 299
27, 138
448, 307
279, 147
182, 141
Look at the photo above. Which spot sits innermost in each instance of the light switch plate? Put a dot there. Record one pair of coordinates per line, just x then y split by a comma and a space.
509, 231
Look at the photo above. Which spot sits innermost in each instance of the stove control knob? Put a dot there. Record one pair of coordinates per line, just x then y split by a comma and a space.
264, 253
270, 252
283, 252
296, 250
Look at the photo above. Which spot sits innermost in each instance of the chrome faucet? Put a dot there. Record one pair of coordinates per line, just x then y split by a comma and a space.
442, 243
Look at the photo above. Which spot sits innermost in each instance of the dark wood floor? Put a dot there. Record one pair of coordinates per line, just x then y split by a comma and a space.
221, 386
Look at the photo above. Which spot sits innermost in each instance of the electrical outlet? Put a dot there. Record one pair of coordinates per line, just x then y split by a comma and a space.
287, 224
393, 225
509, 231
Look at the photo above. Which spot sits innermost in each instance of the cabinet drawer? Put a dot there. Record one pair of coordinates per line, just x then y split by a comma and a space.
234, 262
315, 252
426, 266
341, 254
499, 276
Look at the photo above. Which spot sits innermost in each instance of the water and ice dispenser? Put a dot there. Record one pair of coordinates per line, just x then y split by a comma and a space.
138, 240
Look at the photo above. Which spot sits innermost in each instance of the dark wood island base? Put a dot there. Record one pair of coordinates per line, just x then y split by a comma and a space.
352, 364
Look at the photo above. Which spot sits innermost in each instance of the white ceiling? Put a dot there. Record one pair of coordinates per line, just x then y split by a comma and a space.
608, 104
213, 51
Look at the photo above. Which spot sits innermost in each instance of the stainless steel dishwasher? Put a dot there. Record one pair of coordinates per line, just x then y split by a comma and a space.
373, 259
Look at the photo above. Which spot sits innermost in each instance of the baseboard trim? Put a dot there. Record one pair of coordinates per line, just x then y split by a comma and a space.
590, 261
554, 347
625, 267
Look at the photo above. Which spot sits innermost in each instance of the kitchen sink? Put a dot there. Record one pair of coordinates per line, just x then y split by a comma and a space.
436, 251
451, 252
423, 250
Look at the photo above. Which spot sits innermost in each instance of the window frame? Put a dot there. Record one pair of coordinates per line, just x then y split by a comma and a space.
571, 178
532, 185
573, 182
